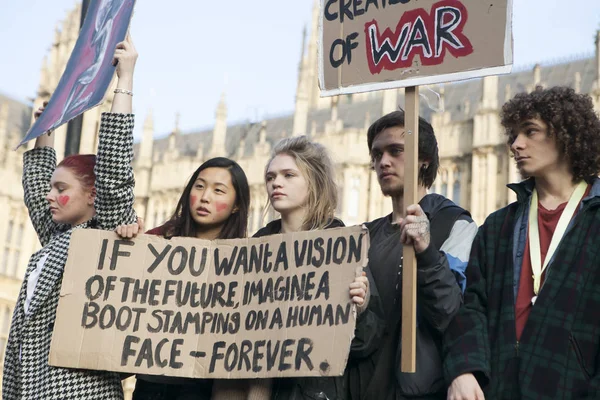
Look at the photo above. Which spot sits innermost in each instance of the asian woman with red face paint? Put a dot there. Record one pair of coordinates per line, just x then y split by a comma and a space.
82, 191
300, 182
213, 205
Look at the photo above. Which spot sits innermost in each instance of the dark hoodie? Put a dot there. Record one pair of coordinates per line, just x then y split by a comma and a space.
440, 278
274, 227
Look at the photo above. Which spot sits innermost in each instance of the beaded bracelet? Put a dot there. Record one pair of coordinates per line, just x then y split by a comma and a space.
128, 92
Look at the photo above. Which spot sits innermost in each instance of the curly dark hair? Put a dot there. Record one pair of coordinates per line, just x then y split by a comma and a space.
570, 118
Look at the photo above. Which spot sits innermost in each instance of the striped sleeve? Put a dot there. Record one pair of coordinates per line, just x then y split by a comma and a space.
458, 247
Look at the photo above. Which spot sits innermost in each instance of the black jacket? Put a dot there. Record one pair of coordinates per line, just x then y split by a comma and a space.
327, 388
376, 375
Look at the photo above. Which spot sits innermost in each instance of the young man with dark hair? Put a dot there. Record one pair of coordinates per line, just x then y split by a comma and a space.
441, 233
530, 327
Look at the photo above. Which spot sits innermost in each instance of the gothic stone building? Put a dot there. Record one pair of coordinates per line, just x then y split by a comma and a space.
475, 162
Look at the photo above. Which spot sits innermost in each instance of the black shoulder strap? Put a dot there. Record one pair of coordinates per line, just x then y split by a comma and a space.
442, 223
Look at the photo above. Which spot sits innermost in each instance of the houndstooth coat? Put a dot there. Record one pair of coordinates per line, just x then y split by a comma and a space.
27, 374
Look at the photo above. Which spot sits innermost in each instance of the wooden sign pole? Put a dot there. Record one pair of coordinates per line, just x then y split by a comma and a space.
409, 265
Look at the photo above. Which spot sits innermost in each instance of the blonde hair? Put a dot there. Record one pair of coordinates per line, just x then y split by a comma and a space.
316, 166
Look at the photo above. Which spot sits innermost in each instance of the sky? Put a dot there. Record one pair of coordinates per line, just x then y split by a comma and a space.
190, 52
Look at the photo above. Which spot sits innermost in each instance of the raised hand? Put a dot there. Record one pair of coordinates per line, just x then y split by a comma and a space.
129, 231
124, 59
44, 140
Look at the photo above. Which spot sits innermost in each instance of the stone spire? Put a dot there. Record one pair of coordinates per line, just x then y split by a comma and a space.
489, 95
507, 92
262, 134
145, 161
577, 84
301, 109
597, 74
598, 55
312, 63
220, 129
4, 131
262, 148
595, 92
177, 119
537, 75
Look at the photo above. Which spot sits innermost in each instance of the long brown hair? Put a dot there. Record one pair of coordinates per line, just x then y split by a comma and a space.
181, 222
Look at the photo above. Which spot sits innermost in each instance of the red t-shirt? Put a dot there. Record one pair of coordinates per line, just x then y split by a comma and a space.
547, 221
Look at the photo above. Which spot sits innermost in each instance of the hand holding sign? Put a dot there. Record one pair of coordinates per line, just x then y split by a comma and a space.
124, 59
130, 231
359, 292
44, 140
40, 110
415, 229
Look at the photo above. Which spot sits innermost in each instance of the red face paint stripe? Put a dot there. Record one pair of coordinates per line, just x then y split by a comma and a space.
63, 200
221, 206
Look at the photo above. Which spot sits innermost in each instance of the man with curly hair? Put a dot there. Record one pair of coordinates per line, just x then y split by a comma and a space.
530, 324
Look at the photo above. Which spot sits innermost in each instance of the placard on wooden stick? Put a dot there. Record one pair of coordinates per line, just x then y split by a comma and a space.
409, 271
384, 44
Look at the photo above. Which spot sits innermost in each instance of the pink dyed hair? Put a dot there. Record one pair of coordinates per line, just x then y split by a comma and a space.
82, 165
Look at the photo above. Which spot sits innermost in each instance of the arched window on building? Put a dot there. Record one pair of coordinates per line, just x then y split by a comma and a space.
456, 187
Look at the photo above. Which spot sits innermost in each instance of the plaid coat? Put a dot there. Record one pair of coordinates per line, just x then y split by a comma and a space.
558, 356
27, 374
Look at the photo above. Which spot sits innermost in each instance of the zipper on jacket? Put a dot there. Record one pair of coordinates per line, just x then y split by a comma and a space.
517, 348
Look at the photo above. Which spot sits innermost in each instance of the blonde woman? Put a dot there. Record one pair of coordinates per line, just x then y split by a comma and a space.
300, 181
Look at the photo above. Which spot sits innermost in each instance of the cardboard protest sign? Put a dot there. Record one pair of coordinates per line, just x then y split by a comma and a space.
89, 70
381, 44
247, 308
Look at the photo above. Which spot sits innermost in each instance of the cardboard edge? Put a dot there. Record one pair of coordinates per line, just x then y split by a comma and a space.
90, 106
320, 46
508, 38
419, 81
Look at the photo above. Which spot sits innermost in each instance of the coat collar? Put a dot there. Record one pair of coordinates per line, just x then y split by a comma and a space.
524, 190
52, 271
